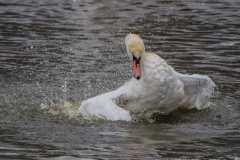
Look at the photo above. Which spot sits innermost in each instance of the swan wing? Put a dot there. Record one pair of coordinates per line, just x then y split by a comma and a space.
104, 107
197, 89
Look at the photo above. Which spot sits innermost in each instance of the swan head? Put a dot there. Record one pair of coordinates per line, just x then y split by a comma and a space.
135, 50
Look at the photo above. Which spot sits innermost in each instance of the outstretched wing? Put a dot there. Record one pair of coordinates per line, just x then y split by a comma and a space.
198, 90
103, 106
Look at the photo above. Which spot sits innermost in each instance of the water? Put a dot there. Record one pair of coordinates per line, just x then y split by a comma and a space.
54, 54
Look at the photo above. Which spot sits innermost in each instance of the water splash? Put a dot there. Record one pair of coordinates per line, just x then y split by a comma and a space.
66, 110
58, 104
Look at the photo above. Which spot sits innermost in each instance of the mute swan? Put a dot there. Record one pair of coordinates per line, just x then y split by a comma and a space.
155, 86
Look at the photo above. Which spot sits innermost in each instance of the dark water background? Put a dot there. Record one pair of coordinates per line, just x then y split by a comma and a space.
54, 51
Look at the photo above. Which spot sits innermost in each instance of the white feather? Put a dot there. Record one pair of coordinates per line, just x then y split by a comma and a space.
104, 106
198, 89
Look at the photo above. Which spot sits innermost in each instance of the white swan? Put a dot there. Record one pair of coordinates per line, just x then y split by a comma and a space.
155, 86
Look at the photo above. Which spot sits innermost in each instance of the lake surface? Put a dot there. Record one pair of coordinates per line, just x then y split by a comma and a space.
56, 53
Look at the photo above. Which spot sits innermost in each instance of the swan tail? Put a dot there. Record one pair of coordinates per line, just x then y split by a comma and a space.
197, 91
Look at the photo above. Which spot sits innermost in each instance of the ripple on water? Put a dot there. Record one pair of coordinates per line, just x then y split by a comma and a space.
75, 50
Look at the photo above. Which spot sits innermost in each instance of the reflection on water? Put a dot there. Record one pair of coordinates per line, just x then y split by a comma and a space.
54, 52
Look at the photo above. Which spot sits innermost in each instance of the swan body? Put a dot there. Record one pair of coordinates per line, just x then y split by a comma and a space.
156, 86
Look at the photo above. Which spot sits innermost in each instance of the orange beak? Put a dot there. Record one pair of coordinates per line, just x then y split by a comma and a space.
137, 73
